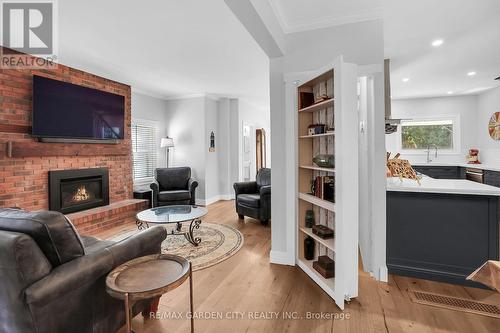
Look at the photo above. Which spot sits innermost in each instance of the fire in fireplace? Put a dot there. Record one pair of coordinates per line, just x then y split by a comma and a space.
81, 194
75, 190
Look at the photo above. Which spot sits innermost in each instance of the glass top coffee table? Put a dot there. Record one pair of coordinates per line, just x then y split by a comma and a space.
174, 215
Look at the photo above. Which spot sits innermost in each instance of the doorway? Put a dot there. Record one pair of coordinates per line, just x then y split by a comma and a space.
248, 153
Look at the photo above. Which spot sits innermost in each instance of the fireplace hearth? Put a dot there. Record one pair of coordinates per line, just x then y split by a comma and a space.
75, 190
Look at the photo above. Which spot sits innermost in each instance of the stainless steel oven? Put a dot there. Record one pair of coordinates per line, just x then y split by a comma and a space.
475, 175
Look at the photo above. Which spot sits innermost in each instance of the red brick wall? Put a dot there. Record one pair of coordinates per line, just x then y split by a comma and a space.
96, 220
24, 181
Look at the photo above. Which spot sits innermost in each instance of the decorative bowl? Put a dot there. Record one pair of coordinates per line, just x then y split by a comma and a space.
324, 160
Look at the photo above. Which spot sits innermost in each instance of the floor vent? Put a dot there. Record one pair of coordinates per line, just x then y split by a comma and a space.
453, 303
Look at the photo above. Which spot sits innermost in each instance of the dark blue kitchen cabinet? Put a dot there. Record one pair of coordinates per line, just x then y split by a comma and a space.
439, 172
492, 178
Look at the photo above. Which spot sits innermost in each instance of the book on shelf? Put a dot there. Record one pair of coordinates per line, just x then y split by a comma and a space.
325, 266
324, 188
306, 99
323, 231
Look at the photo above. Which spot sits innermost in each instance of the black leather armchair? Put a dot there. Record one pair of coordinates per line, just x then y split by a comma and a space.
253, 199
53, 280
173, 186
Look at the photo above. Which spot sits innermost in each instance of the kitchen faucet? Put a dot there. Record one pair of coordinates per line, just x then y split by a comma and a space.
429, 153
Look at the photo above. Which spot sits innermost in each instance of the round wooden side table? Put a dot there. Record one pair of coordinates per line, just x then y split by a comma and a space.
149, 277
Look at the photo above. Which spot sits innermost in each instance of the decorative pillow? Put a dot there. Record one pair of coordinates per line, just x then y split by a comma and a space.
52, 231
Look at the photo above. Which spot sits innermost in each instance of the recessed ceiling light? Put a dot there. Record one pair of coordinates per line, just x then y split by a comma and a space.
471, 73
437, 42
450, 92
406, 79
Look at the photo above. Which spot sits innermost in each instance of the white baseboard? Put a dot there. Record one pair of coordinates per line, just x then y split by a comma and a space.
209, 201
281, 258
384, 274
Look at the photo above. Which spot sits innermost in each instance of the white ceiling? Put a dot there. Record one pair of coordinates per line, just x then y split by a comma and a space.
174, 48
471, 34
300, 15
165, 48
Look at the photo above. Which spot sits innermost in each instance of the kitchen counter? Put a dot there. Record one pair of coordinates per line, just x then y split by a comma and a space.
491, 167
443, 186
442, 229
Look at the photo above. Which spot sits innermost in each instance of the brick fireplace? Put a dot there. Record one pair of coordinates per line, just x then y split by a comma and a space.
25, 163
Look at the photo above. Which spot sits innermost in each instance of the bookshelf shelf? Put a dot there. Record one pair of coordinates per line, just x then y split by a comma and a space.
330, 206
319, 106
317, 135
329, 243
312, 167
328, 285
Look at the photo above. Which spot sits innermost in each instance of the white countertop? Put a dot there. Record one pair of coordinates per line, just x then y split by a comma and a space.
444, 186
490, 167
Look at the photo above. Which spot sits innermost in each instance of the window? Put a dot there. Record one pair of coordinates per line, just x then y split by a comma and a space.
421, 134
143, 150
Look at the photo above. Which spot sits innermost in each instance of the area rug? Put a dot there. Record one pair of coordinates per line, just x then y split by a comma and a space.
218, 243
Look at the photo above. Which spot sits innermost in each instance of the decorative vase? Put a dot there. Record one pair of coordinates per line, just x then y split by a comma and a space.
308, 248
309, 219
324, 160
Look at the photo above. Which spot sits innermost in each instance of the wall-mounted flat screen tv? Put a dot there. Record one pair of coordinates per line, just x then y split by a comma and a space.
65, 110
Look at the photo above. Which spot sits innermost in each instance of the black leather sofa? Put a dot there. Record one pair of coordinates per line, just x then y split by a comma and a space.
253, 199
173, 186
53, 280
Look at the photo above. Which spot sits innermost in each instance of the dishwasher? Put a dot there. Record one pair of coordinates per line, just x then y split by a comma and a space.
475, 175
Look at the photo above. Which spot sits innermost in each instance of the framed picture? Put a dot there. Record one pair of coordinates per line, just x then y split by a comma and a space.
211, 148
494, 126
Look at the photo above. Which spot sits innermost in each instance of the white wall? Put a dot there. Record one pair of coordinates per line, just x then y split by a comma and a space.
465, 107
474, 112
280, 247
185, 123
231, 112
152, 110
212, 188
488, 103
359, 43
222, 144
234, 142
190, 121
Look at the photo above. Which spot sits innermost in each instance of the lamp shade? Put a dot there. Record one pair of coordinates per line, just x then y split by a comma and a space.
166, 142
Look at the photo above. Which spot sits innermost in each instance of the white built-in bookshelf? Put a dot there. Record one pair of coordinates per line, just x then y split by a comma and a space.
335, 106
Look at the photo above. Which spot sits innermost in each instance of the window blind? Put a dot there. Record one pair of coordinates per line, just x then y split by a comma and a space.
143, 150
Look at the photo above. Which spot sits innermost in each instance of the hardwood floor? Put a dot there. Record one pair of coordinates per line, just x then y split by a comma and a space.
246, 288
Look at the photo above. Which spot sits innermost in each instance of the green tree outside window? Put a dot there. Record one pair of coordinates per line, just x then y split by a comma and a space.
422, 134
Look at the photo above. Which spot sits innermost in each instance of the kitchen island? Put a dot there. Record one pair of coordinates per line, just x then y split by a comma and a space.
442, 229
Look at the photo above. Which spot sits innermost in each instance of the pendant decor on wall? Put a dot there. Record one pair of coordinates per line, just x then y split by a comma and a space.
494, 126
212, 142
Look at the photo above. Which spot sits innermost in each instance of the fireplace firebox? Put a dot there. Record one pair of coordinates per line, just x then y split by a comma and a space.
75, 190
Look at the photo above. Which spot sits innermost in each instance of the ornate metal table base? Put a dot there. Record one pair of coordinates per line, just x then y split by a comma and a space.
189, 234
141, 225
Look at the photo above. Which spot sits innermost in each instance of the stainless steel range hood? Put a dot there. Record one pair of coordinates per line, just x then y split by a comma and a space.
391, 124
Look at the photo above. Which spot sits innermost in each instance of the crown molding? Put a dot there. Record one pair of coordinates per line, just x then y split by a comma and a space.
324, 22
184, 96
148, 93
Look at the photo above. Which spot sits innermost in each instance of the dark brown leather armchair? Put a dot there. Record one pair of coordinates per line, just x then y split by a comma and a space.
174, 186
53, 280
254, 198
